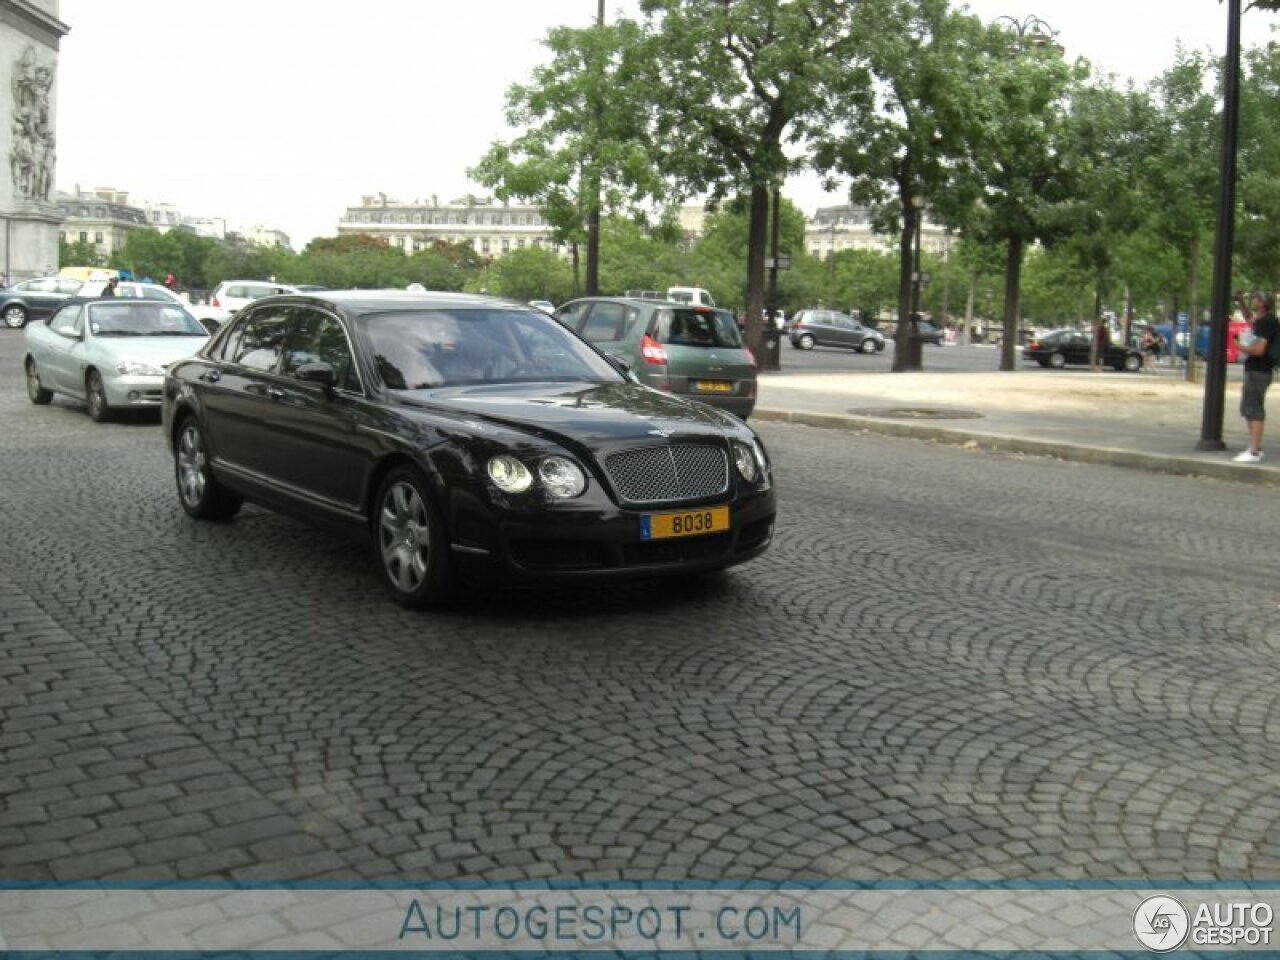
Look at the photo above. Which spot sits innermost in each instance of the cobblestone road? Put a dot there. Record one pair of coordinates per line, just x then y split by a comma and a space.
952, 665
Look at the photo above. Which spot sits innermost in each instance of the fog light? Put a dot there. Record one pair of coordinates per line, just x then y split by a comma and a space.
134, 396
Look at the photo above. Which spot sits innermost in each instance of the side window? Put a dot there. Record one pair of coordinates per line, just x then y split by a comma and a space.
237, 291
570, 315
68, 321
262, 340
317, 337
605, 323
43, 285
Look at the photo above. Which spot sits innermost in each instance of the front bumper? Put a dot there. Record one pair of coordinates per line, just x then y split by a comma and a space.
133, 391
606, 544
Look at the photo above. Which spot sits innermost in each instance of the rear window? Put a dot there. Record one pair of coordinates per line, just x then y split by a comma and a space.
696, 328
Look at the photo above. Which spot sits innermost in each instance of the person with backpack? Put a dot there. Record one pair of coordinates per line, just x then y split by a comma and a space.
1262, 353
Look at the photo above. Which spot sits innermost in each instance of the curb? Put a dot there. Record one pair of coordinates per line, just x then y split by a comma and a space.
1000, 443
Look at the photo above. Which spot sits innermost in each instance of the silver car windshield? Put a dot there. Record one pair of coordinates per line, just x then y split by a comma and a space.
151, 319
416, 350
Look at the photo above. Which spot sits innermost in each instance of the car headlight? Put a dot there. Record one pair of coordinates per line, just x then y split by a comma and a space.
132, 368
510, 475
745, 459
562, 477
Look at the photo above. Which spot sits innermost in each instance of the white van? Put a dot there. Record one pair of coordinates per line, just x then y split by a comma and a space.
694, 295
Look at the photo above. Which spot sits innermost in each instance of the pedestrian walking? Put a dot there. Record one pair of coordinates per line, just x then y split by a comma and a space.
1150, 349
170, 280
1258, 366
110, 289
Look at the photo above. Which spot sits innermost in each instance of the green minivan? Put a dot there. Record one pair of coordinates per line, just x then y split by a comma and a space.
689, 350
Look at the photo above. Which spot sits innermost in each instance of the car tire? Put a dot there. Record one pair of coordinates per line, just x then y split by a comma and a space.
806, 342
869, 346
35, 392
95, 394
409, 541
1131, 364
199, 492
15, 316
1057, 361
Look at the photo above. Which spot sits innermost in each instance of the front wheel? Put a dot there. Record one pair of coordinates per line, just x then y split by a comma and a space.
869, 346
412, 549
1057, 361
1131, 363
96, 395
15, 316
806, 342
35, 392
201, 495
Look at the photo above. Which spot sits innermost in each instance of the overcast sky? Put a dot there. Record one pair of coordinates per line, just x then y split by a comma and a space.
285, 112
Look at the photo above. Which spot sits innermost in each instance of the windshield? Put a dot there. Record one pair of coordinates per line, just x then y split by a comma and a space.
697, 328
442, 348
143, 320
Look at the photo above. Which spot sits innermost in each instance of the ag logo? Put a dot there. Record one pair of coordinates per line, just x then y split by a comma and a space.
1161, 924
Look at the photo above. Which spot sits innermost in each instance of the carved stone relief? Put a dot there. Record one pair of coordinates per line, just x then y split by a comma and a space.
31, 160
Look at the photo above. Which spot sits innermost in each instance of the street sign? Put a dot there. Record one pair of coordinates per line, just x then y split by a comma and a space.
784, 263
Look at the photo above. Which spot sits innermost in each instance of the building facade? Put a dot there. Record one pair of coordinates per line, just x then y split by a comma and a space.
103, 217
846, 227
30, 33
490, 227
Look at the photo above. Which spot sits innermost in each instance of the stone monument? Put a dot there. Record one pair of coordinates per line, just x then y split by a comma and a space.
30, 32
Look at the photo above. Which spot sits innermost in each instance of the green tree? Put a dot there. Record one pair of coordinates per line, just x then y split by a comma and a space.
532, 273
80, 254
729, 84
583, 139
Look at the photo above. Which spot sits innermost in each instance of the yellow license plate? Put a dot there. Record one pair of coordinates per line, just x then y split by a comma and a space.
687, 523
713, 386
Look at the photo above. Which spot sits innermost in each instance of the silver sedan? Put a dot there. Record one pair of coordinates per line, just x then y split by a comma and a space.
111, 353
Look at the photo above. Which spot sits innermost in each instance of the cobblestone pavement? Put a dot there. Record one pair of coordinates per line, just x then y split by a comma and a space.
953, 664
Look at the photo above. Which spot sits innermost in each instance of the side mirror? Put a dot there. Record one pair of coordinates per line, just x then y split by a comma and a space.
320, 373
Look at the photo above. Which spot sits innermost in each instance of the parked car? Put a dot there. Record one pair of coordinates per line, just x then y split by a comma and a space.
464, 436
687, 350
830, 328
1063, 347
35, 299
210, 316
546, 306
109, 352
231, 295
928, 333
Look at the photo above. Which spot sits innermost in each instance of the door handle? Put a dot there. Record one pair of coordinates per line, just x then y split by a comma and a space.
275, 394
211, 376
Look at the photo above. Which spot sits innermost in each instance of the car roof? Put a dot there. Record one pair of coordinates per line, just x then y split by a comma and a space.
372, 301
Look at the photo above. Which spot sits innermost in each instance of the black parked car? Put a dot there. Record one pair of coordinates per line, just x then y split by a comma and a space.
464, 436
1062, 347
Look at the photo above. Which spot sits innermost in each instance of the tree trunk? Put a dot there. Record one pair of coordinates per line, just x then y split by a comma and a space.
968, 306
1012, 287
577, 267
1193, 374
903, 334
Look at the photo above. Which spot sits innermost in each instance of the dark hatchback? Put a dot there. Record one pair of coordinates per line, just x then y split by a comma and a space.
1063, 347
464, 436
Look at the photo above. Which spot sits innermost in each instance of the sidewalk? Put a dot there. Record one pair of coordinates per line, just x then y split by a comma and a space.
1144, 421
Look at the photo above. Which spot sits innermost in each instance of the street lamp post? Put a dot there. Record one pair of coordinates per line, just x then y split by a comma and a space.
1215, 382
1031, 32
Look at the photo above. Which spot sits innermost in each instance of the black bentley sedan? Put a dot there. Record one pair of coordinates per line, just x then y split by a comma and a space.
464, 436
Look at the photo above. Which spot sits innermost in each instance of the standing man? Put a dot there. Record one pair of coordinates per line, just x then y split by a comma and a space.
110, 289
1257, 371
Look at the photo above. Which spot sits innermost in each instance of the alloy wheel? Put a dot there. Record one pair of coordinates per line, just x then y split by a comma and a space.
404, 537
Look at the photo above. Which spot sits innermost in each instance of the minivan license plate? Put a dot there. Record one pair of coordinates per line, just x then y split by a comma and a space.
713, 386
687, 523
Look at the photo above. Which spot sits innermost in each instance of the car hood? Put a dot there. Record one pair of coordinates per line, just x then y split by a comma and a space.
592, 413
157, 351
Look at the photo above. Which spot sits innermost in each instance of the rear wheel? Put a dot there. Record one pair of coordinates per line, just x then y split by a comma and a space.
201, 495
1131, 363
15, 316
413, 551
806, 342
1057, 361
35, 391
96, 395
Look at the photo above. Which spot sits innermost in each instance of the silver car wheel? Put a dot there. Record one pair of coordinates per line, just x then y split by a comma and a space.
870, 346
192, 466
96, 395
15, 316
404, 532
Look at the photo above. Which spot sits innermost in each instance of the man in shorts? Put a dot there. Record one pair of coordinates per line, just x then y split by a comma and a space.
1257, 371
